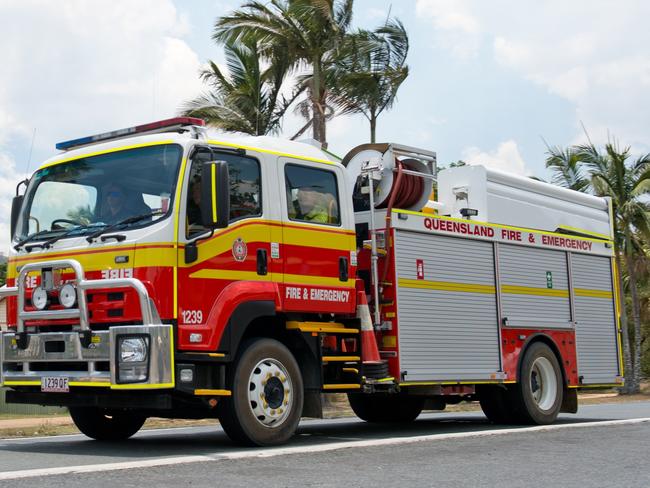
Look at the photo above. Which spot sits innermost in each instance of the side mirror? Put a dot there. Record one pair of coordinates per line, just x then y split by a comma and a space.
215, 195
16, 205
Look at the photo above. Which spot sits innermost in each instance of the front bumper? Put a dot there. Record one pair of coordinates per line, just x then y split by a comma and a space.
84, 357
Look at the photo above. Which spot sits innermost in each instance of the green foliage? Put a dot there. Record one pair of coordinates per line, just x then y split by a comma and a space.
3, 274
356, 72
248, 97
612, 172
371, 70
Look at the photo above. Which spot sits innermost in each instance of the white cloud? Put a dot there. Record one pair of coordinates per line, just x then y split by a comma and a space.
458, 29
593, 53
76, 68
506, 157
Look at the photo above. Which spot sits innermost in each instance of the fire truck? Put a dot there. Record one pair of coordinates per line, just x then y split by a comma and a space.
161, 271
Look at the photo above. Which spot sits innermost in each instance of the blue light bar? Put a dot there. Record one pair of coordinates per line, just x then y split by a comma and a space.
138, 129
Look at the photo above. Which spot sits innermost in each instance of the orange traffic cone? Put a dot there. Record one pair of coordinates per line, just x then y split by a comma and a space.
369, 350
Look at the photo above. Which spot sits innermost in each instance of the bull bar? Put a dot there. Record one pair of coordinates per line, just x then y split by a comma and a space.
22, 352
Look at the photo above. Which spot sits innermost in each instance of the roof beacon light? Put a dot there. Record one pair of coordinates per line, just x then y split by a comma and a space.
168, 125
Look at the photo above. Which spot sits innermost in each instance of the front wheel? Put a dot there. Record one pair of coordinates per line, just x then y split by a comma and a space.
538, 395
380, 408
267, 395
106, 425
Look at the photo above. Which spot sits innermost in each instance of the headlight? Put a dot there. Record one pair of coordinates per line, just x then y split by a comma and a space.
39, 298
68, 295
133, 350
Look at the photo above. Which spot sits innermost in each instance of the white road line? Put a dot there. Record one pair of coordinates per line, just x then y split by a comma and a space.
282, 451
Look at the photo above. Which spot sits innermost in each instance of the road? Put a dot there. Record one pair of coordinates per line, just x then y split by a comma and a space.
603, 445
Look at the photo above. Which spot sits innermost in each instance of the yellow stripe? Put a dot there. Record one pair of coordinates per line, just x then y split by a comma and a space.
231, 275
446, 383
224, 274
177, 217
345, 359
446, 286
106, 151
599, 385
22, 383
586, 232
103, 384
153, 386
267, 151
342, 386
206, 392
213, 182
584, 292
530, 290
617, 314
498, 226
325, 327
310, 237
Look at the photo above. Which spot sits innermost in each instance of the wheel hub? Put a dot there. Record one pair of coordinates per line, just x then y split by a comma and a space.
269, 392
543, 383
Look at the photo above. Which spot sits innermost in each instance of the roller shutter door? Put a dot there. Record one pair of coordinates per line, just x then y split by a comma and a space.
448, 317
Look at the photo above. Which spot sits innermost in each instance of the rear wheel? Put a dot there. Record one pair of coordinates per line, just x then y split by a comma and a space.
267, 395
106, 425
386, 408
496, 404
538, 395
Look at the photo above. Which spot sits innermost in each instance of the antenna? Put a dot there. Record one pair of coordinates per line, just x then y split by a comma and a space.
29, 158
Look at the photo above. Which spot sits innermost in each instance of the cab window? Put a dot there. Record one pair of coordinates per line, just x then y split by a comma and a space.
312, 195
245, 188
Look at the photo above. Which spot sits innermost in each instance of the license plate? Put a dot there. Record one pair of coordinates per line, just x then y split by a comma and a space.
56, 384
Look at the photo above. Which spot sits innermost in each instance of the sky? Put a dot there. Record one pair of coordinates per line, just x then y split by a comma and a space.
491, 82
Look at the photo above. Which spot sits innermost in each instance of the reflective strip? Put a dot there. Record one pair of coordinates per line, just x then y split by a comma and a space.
213, 182
231, 275
584, 292
342, 387
501, 226
530, 290
206, 392
446, 286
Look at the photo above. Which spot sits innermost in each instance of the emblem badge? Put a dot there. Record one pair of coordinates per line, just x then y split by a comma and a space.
239, 250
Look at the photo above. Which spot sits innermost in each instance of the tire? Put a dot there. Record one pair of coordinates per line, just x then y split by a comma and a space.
537, 397
105, 425
267, 395
496, 403
386, 408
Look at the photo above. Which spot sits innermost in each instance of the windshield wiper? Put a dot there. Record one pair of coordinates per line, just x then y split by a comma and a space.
32, 237
130, 220
47, 244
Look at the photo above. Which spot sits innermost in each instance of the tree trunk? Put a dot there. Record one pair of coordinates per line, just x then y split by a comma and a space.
317, 104
636, 314
627, 356
373, 128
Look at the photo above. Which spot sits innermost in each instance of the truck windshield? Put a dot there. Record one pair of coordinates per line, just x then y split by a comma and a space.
97, 191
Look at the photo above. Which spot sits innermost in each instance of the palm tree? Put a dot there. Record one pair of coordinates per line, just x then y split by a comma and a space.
624, 183
248, 97
310, 32
366, 80
567, 167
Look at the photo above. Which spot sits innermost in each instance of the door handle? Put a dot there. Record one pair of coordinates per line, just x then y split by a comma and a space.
262, 262
343, 268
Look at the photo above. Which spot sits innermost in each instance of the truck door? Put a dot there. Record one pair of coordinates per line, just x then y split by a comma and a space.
230, 254
318, 240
